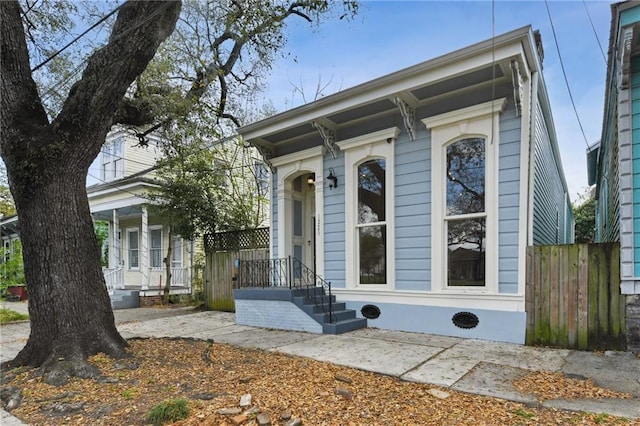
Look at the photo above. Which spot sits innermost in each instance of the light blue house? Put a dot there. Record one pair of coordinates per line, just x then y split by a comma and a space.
617, 169
416, 194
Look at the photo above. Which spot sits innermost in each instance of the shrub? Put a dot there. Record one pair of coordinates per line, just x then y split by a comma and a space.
11, 266
7, 315
167, 411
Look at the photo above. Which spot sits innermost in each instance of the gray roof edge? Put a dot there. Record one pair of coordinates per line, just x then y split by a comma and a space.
521, 33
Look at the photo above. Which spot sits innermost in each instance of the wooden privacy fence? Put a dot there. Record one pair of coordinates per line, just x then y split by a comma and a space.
223, 251
573, 297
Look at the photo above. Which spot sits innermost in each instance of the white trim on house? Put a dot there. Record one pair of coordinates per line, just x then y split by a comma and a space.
480, 120
525, 222
118, 204
498, 302
376, 145
311, 161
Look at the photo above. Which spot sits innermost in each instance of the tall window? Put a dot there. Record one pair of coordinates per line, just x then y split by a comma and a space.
155, 247
369, 195
112, 159
371, 225
133, 243
176, 252
465, 217
464, 198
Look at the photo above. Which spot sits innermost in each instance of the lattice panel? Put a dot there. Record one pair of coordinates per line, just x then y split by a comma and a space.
237, 240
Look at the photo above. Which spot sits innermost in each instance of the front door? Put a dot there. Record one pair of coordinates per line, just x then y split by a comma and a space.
302, 223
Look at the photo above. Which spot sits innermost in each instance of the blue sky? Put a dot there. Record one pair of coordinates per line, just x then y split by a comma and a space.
387, 36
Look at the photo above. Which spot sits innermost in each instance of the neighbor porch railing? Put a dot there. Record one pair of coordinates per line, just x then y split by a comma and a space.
114, 278
286, 272
158, 277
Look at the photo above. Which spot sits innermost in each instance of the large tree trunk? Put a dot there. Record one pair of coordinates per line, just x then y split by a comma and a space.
47, 165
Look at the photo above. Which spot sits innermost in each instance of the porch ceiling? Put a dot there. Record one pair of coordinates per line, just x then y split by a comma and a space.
123, 212
305, 135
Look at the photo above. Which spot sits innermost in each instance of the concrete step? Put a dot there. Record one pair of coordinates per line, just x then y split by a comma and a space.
344, 326
125, 299
336, 315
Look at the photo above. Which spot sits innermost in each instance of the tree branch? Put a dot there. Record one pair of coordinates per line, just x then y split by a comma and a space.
137, 34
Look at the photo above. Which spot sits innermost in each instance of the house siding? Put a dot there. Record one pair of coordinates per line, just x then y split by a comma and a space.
508, 199
413, 212
412, 203
635, 151
549, 198
334, 224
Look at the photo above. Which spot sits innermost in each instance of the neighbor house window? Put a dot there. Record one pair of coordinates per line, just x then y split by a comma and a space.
133, 242
262, 179
368, 187
464, 198
155, 247
176, 252
112, 159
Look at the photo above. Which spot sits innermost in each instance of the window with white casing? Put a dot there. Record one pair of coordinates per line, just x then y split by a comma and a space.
464, 198
369, 183
112, 159
155, 246
133, 244
176, 252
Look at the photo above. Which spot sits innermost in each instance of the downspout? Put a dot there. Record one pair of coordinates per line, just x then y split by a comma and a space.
192, 268
532, 153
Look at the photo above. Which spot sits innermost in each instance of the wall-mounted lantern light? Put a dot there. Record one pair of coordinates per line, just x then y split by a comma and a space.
333, 178
311, 179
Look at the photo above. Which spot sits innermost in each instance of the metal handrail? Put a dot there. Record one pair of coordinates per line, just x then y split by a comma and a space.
286, 272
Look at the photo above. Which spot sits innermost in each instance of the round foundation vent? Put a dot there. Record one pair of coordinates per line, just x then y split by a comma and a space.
370, 311
465, 320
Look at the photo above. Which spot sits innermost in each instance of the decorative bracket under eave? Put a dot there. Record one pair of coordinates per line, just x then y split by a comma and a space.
328, 136
408, 116
625, 59
518, 86
267, 155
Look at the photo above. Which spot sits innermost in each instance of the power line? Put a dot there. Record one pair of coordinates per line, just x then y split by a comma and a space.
594, 31
104, 18
564, 73
120, 36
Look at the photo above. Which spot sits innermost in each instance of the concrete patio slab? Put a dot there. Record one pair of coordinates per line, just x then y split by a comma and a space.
265, 338
407, 337
494, 380
392, 358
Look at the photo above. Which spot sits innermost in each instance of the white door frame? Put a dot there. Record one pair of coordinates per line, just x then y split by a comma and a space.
289, 167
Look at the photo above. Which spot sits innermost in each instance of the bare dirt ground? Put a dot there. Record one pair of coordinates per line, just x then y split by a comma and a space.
214, 377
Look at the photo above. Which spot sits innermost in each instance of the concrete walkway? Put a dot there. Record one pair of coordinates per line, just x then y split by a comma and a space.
473, 366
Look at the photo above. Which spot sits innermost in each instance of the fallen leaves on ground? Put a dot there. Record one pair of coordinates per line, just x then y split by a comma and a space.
546, 385
215, 376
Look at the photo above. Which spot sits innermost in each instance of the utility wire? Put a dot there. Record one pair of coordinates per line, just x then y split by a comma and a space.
564, 73
104, 18
594, 31
120, 36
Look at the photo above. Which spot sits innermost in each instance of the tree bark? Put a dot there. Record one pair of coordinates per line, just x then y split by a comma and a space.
47, 165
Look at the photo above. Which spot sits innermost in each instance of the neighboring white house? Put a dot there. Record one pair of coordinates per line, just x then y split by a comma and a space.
137, 240
425, 188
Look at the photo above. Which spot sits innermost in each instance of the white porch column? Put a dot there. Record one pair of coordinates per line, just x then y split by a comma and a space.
285, 207
319, 229
114, 241
144, 250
